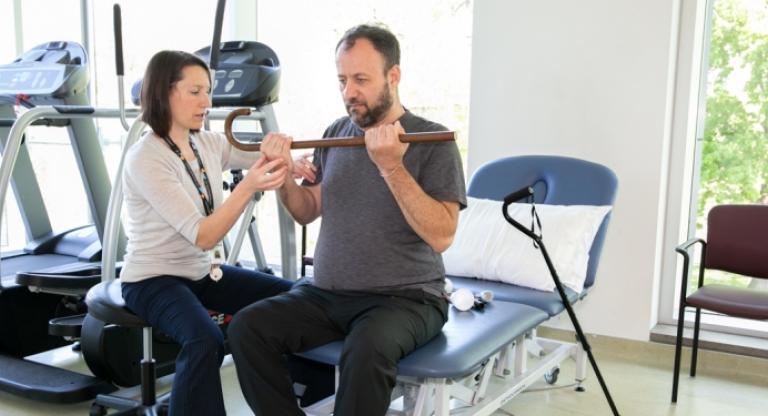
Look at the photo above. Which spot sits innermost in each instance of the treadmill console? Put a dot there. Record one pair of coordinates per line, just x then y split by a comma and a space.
47, 72
248, 75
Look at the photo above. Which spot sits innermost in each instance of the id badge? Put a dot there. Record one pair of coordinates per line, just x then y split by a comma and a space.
217, 259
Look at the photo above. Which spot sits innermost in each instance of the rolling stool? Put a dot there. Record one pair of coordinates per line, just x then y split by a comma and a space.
105, 303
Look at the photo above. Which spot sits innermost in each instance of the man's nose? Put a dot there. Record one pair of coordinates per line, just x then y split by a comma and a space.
349, 91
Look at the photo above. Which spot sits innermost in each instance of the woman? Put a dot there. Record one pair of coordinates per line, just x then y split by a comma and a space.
176, 219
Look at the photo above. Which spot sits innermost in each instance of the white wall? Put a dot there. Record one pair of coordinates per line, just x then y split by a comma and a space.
592, 79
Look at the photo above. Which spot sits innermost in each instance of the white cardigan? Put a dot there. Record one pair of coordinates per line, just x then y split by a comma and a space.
164, 208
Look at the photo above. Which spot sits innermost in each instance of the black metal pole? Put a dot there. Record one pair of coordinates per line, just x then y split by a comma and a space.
213, 58
526, 192
576, 326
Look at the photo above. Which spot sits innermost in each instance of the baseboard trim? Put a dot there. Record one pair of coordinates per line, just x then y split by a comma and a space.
713, 341
723, 364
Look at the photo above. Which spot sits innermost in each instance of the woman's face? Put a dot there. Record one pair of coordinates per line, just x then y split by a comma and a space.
189, 99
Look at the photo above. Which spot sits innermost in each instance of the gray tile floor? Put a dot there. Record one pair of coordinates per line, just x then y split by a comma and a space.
638, 389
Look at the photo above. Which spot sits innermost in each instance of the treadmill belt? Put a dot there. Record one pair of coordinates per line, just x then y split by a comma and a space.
26, 262
9, 266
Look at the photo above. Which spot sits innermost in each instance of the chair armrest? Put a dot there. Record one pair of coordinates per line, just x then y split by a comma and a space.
682, 249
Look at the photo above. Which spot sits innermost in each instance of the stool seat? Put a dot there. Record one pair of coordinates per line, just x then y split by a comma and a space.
105, 303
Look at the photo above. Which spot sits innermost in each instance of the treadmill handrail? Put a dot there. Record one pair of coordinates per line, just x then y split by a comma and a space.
15, 136
112, 222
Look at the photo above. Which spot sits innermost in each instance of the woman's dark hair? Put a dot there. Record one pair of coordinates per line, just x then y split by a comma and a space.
382, 39
162, 74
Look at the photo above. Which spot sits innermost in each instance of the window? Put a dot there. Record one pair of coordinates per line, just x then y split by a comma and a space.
7, 31
190, 28
49, 148
435, 71
45, 21
731, 158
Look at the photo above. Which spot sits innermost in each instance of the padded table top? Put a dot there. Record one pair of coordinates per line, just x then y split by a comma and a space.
549, 302
467, 339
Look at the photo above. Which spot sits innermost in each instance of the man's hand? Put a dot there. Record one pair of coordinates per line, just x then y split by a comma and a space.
385, 148
304, 168
278, 146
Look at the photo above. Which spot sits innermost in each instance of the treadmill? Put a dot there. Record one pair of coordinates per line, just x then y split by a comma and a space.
55, 73
48, 277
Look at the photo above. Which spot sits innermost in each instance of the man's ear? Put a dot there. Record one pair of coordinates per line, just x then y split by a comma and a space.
393, 75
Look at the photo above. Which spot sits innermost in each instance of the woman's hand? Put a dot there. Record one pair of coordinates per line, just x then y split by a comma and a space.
304, 168
265, 175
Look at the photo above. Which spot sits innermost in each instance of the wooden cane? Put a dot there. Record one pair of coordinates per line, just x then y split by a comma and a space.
426, 137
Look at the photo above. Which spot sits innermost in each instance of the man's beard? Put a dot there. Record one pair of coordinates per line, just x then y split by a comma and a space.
373, 114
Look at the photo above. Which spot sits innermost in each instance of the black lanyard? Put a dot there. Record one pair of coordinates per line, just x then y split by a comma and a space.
207, 198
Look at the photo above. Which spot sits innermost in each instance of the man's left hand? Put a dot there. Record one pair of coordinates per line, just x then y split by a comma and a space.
303, 168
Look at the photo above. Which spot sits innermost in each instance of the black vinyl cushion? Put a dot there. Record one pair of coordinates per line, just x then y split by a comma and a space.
105, 303
74, 276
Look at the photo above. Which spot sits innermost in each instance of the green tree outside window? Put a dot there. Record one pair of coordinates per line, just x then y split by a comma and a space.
734, 159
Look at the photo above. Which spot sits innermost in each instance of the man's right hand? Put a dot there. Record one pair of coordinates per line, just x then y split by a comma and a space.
278, 146
302, 202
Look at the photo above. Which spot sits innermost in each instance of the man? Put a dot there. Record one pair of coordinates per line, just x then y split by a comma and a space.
388, 210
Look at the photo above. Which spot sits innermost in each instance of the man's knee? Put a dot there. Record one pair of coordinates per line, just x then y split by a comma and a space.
246, 325
372, 348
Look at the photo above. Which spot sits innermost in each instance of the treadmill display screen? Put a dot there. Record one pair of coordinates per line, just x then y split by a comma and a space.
30, 80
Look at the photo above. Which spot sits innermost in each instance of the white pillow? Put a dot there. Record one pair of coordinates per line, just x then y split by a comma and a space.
486, 246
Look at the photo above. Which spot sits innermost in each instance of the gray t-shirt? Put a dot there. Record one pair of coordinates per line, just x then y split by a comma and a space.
365, 243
